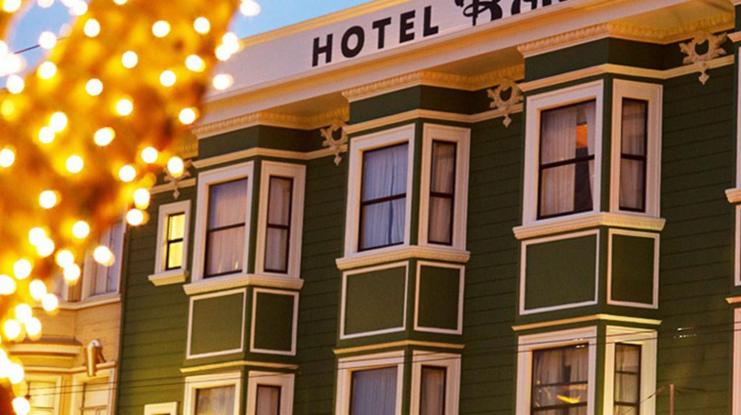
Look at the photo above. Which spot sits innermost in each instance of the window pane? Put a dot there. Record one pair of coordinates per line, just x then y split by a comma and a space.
385, 172
277, 237
374, 392
383, 224
215, 401
227, 204
441, 217
626, 388
268, 400
633, 155
627, 378
95, 397
175, 226
442, 178
560, 377
42, 396
276, 247
566, 188
279, 203
174, 255
626, 410
632, 184
442, 193
105, 279
432, 391
225, 251
634, 127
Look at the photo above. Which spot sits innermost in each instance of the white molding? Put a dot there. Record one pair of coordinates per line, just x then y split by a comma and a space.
271, 119
174, 276
90, 268
653, 94
261, 152
165, 210
284, 381
737, 248
192, 300
523, 272
343, 300
294, 322
346, 367
297, 173
193, 383
550, 100
90, 302
400, 253
111, 364
205, 180
78, 388
648, 340
242, 280
655, 295
584, 319
461, 137
169, 408
529, 343
237, 363
359, 145
609, 68
452, 365
395, 344
736, 385
41, 348
56, 393
733, 195
461, 286
169, 187
588, 220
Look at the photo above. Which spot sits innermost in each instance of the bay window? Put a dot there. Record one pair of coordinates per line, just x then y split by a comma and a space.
560, 380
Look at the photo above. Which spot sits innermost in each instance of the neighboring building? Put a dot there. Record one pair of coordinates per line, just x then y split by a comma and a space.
535, 215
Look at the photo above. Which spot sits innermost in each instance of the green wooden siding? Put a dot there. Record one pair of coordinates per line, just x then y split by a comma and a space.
439, 291
273, 321
375, 300
217, 324
632, 269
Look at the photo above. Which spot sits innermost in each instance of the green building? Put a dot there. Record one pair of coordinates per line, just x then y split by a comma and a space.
428, 207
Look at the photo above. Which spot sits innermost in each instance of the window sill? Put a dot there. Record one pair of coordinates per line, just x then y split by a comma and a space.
242, 280
91, 302
733, 195
589, 220
174, 276
399, 253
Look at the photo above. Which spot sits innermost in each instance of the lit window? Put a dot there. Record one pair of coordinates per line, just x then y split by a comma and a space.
172, 243
225, 235
560, 381
175, 241
627, 379
373, 392
278, 234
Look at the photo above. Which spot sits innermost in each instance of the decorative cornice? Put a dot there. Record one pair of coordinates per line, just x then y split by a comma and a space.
587, 221
242, 280
261, 151
594, 317
46, 348
366, 259
272, 119
168, 187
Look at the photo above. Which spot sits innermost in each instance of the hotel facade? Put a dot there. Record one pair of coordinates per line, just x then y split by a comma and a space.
443, 207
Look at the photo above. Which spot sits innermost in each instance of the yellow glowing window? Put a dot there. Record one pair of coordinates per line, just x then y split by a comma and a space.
175, 241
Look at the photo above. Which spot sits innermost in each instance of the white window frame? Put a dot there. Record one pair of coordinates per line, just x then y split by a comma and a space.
169, 408
178, 275
294, 321
736, 384
461, 137
737, 249
536, 105
193, 299
284, 381
359, 145
653, 94
90, 268
647, 339
461, 286
205, 180
297, 172
655, 285
528, 344
193, 383
346, 367
452, 364
57, 393
78, 388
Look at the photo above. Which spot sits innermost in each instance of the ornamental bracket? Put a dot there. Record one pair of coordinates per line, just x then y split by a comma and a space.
335, 137
715, 49
505, 105
175, 181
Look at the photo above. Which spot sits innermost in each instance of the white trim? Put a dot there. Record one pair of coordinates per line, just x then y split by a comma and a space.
206, 179
56, 393
550, 100
452, 365
97, 301
169, 408
461, 137
655, 297
237, 363
40, 348
242, 280
358, 146
647, 339
294, 322
528, 344
169, 187
523, 272
738, 124
262, 152
736, 386
174, 276
346, 367
343, 300
193, 383
588, 220
461, 285
78, 389
397, 344
297, 173
653, 94
165, 211
400, 253
283, 380
737, 248
193, 299
593, 317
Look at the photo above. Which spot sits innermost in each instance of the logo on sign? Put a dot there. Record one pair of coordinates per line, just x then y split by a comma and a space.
493, 9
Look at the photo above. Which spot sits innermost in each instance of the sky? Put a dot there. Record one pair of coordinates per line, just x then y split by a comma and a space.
275, 14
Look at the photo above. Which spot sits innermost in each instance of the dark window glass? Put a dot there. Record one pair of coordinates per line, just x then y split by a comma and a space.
560, 381
627, 379
278, 233
442, 193
633, 149
373, 392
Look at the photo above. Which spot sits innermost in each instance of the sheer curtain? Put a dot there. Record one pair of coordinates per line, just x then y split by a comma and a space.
279, 224
432, 391
383, 203
560, 379
226, 226
215, 401
374, 392
442, 193
633, 155
268, 400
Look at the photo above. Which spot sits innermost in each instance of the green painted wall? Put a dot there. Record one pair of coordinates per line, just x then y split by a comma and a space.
274, 321
375, 300
217, 324
632, 269
439, 291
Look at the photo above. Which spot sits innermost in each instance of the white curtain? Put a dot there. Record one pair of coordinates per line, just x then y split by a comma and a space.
279, 220
384, 175
560, 368
215, 401
106, 278
442, 181
432, 391
226, 238
627, 377
374, 392
633, 142
268, 400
